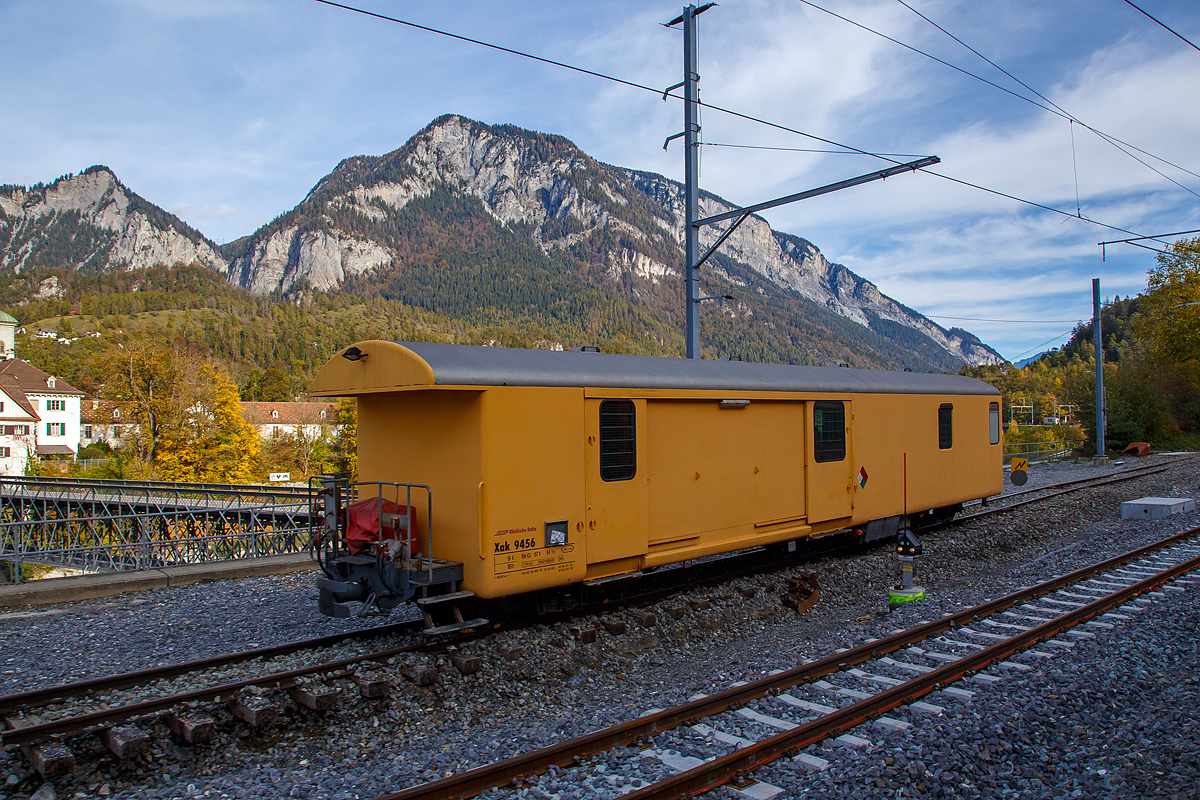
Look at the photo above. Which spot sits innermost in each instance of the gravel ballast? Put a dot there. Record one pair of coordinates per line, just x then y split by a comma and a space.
542, 684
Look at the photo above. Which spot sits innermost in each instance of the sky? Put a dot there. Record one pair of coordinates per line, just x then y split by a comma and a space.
227, 112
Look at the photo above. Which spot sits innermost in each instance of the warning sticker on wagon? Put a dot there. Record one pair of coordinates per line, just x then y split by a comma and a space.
541, 559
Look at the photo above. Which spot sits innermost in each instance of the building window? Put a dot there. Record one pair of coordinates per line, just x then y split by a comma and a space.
618, 442
1, 405
274, 414
945, 426
56, 429
994, 423
829, 430
56, 405
87, 431
5, 452
22, 430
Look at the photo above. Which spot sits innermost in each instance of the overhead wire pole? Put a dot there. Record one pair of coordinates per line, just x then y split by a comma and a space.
691, 171
1098, 340
691, 174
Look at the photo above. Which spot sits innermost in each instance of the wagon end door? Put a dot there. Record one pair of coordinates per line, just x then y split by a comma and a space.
615, 481
830, 494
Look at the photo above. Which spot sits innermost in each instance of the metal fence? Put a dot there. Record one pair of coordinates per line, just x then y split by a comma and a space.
1038, 451
132, 525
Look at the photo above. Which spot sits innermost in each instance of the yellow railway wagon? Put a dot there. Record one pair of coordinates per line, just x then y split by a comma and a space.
553, 468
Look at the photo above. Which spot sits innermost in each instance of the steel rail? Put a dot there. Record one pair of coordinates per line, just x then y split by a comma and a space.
1059, 493
563, 754
36, 698
723, 769
1148, 469
31, 734
41, 697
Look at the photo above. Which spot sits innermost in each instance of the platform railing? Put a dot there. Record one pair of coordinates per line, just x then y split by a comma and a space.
1038, 451
110, 525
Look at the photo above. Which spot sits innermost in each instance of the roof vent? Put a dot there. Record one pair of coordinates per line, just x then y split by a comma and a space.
730, 358
908, 369
587, 348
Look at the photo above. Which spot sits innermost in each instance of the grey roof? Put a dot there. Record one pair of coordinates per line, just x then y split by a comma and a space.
464, 365
55, 450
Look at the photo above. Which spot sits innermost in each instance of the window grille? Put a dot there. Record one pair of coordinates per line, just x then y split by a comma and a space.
829, 430
618, 441
946, 426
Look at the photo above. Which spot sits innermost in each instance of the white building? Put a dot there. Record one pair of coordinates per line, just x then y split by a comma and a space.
312, 420
103, 421
43, 418
18, 421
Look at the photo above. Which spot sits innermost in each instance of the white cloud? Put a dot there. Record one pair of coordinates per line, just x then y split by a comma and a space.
216, 212
245, 109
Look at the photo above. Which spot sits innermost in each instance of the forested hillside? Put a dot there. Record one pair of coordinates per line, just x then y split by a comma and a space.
1151, 357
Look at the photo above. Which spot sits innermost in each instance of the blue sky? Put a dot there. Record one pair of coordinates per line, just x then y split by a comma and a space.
228, 111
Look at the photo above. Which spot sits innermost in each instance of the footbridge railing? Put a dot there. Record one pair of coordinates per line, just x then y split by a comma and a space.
106, 525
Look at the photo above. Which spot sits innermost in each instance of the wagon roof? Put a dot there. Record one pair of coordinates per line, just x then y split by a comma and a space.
412, 364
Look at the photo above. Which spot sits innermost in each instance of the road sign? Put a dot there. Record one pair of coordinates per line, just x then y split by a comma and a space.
1020, 471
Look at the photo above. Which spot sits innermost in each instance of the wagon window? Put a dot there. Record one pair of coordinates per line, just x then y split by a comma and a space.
829, 430
618, 445
994, 423
945, 426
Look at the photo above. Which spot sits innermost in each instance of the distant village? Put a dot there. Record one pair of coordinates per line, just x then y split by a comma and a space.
44, 418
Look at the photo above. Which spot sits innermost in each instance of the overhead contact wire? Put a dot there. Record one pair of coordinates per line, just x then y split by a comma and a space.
1172, 30
1056, 108
1052, 108
728, 111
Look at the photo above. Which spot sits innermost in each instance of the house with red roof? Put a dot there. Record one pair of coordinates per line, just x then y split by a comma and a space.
39, 416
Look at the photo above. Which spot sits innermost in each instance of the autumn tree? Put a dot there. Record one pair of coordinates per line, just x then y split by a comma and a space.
154, 385
1170, 318
212, 442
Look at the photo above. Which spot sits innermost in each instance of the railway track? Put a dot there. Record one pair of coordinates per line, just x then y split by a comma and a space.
48, 716
722, 738
1004, 503
43, 719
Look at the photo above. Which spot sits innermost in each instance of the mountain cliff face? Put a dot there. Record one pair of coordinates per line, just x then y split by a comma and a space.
505, 230
91, 222
616, 228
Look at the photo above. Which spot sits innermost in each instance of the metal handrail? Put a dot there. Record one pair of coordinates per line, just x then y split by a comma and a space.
1038, 451
132, 525
410, 534
217, 488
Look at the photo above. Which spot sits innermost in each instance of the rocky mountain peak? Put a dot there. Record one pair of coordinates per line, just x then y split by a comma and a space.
92, 221
625, 222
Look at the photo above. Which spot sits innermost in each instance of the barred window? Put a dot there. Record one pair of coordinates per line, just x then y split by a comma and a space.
945, 426
829, 430
618, 443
